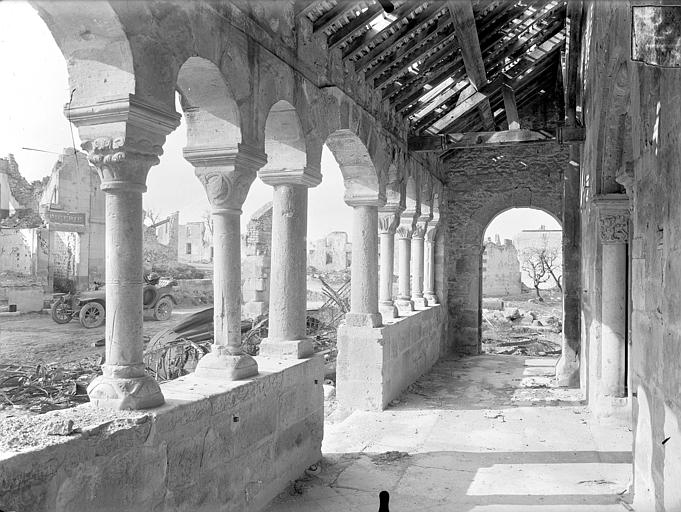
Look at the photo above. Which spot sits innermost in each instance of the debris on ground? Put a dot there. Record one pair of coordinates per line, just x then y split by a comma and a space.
42, 388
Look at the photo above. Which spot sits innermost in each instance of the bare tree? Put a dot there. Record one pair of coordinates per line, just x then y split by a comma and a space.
533, 262
553, 265
151, 216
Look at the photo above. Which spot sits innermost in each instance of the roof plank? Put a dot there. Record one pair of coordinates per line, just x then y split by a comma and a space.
346, 32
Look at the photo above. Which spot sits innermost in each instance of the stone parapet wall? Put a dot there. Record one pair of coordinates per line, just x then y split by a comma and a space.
376, 364
229, 446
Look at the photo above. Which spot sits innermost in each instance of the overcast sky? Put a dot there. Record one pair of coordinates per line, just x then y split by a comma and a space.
34, 89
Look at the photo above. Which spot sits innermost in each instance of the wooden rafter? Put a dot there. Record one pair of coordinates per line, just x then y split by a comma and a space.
390, 43
355, 47
346, 32
467, 34
510, 107
414, 50
333, 16
468, 140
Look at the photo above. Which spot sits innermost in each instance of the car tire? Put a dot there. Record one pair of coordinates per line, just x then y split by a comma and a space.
163, 309
60, 312
91, 315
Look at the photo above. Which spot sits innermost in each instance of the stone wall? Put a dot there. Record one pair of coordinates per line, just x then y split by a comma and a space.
331, 253
500, 269
482, 183
375, 365
213, 446
256, 264
633, 135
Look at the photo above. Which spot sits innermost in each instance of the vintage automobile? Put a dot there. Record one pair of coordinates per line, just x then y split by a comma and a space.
90, 306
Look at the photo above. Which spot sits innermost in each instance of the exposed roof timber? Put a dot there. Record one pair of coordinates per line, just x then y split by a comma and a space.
417, 46
407, 96
355, 47
429, 109
303, 7
346, 32
389, 43
467, 34
448, 48
469, 140
333, 16
575, 15
510, 107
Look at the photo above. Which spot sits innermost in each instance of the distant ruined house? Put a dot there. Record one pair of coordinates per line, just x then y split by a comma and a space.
500, 268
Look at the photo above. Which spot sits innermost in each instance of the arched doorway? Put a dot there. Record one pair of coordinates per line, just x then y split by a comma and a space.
521, 284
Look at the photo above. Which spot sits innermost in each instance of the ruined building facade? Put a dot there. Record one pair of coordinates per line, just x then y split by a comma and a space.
440, 117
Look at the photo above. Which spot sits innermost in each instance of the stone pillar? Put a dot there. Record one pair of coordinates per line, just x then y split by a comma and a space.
567, 367
123, 138
613, 224
429, 265
364, 269
417, 262
288, 290
226, 174
404, 234
388, 220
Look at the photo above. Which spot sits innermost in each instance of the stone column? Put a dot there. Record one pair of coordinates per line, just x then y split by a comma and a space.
123, 139
429, 265
364, 269
417, 262
404, 233
567, 367
613, 224
226, 174
288, 289
388, 220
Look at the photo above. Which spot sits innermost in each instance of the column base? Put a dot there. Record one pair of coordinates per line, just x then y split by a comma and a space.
222, 364
363, 319
567, 373
404, 306
388, 310
431, 298
297, 349
122, 387
420, 302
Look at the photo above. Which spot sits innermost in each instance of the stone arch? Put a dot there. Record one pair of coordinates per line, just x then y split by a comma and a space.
359, 173
284, 139
96, 48
211, 112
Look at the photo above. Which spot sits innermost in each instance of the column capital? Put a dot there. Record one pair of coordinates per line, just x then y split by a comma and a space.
226, 173
123, 138
431, 233
389, 219
420, 228
306, 177
613, 218
358, 193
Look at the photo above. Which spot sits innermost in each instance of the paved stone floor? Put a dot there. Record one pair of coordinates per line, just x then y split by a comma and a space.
476, 434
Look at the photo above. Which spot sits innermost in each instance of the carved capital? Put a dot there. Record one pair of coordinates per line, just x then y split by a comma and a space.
388, 222
404, 232
431, 233
123, 138
226, 173
419, 232
613, 218
613, 228
118, 167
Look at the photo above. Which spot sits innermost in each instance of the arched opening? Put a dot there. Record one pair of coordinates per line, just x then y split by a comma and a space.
521, 284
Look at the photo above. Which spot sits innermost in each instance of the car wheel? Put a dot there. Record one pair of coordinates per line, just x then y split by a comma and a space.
60, 312
163, 309
91, 315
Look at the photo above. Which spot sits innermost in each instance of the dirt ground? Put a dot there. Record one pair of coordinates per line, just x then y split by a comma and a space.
524, 326
36, 339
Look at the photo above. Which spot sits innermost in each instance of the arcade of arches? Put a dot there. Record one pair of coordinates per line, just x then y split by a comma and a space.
440, 117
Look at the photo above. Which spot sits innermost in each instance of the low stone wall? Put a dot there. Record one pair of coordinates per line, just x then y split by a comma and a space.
212, 446
27, 298
376, 364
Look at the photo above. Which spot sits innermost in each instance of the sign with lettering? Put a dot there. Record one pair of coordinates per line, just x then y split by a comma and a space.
66, 218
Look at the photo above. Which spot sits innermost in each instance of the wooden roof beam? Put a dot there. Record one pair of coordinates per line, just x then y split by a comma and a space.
345, 33
389, 43
468, 140
333, 16
467, 34
510, 107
